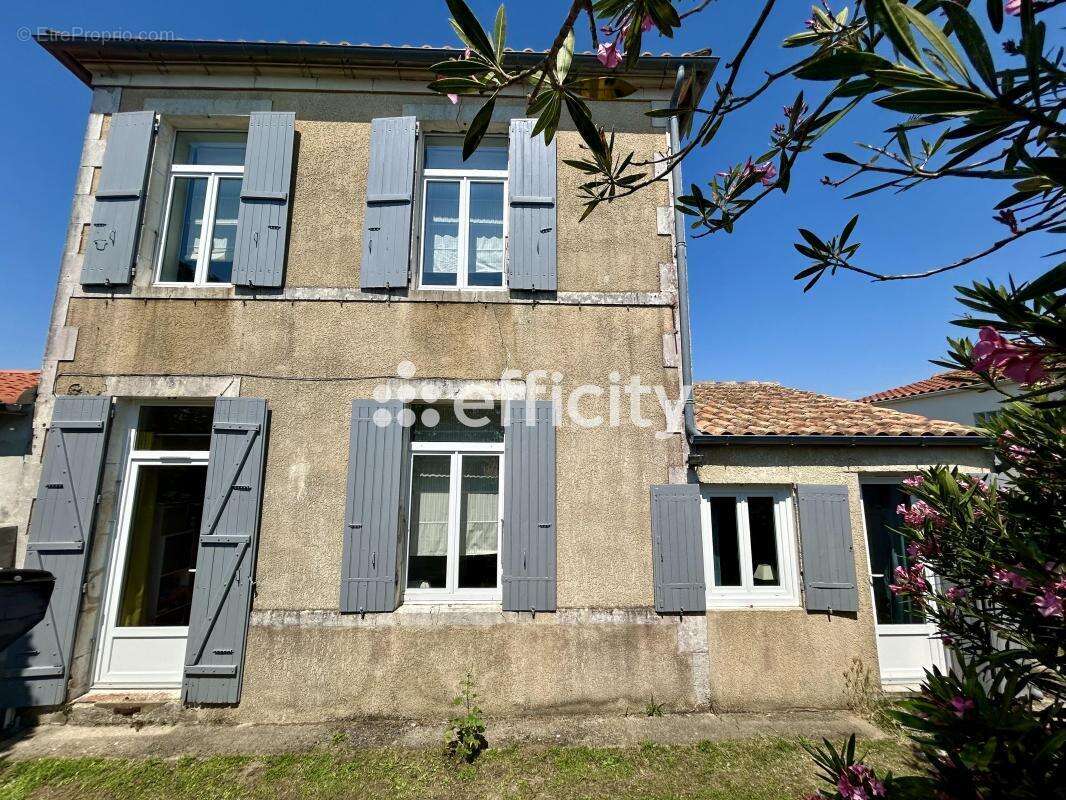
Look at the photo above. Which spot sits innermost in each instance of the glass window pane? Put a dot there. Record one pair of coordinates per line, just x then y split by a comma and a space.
217, 148
227, 204
725, 542
182, 243
440, 257
439, 423
888, 550
161, 551
174, 428
446, 152
485, 240
428, 560
479, 504
763, 531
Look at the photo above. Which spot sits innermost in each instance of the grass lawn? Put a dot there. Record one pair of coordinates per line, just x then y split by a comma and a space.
771, 768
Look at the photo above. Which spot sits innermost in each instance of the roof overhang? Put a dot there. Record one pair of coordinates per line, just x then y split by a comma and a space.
709, 440
93, 60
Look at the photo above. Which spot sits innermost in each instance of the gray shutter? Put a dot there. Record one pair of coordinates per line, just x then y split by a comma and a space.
529, 508
677, 548
375, 507
36, 666
263, 219
389, 199
112, 246
225, 558
531, 261
828, 548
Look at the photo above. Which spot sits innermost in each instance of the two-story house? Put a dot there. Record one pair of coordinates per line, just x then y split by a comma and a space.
258, 490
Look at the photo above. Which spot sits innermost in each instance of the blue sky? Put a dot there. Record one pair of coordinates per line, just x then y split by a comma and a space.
750, 319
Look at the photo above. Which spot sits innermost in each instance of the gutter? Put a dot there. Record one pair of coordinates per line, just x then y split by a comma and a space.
684, 321
705, 439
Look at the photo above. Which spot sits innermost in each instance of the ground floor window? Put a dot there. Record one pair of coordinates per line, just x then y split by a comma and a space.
749, 546
888, 550
455, 510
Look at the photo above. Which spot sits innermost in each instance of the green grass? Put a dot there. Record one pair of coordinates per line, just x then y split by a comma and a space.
771, 768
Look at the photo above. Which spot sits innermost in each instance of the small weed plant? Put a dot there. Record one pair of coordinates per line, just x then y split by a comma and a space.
465, 739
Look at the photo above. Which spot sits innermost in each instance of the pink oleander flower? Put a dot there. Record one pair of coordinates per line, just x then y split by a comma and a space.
913, 481
925, 548
647, 23
962, 705
1020, 364
1013, 7
956, 593
919, 513
909, 580
768, 172
1050, 604
609, 54
1010, 578
858, 782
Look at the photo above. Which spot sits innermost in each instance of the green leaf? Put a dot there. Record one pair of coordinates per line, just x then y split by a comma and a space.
548, 119
893, 19
847, 230
972, 40
842, 158
602, 88
499, 31
934, 101
936, 38
579, 112
995, 14
800, 39
842, 65
564, 57
478, 128
813, 240
1052, 167
456, 86
472, 32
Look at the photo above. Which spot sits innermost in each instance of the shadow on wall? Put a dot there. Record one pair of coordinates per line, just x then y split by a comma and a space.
16, 435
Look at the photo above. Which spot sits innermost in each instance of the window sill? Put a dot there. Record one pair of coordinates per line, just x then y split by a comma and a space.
435, 606
749, 603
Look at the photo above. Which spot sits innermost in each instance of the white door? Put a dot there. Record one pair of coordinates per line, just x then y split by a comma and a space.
906, 644
153, 563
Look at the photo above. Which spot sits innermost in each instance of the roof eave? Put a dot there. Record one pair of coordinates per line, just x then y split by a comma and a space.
74, 52
712, 440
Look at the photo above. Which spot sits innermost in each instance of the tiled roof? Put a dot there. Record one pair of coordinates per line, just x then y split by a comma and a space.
18, 385
755, 408
952, 379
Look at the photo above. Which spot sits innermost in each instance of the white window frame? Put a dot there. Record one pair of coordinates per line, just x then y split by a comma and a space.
465, 177
451, 593
214, 174
785, 595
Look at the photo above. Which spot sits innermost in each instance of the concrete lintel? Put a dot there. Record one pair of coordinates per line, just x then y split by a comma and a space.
172, 386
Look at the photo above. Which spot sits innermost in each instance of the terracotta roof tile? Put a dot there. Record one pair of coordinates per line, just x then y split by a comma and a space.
18, 385
952, 379
756, 408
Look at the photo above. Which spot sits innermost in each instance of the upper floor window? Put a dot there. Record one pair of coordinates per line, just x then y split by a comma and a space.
200, 223
750, 546
464, 224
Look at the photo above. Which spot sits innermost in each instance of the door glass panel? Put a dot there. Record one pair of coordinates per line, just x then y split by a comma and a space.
765, 571
157, 583
441, 241
430, 484
184, 230
725, 542
479, 506
888, 550
215, 148
224, 234
174, 428
485, 241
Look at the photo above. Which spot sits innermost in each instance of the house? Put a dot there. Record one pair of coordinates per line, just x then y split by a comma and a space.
335, 417
18, 389
957, 395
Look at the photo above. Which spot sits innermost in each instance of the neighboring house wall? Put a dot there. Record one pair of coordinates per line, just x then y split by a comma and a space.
318, 343
766, 658
955, 405
17, 479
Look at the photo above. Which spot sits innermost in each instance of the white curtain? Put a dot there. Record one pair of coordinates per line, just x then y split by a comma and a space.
480, 506
429, 533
